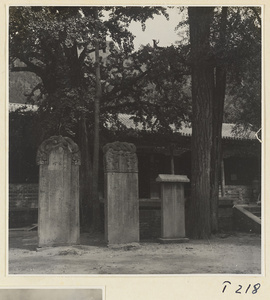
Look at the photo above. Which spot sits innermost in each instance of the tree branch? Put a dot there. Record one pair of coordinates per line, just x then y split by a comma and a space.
20, 69
37, 87
125, 86
32, 67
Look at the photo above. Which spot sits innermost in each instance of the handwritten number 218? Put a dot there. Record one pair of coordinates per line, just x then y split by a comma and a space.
238, 291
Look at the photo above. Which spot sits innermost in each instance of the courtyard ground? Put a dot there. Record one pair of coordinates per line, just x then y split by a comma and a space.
230, 253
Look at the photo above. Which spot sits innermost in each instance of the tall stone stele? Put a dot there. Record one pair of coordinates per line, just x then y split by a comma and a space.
121, 193
58, 212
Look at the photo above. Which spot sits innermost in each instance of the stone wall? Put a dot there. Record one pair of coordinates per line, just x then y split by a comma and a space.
150, 223
240, 193
150, 219
23, 196
26, 195
24, 203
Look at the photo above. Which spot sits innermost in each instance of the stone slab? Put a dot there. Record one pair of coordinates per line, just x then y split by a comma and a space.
172, 178
121, 193
121, 208
58, 212
173, 210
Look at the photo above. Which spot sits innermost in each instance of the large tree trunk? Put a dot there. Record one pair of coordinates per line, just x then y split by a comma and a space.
95, 216
218, 108
199, 221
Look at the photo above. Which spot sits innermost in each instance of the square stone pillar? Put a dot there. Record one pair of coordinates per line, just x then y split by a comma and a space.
172, 208
58, 208
121, 193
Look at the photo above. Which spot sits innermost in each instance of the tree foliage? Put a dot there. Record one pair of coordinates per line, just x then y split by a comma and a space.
148, 83
243, 62
240, 55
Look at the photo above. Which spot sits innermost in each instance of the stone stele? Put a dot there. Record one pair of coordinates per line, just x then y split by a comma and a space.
58, 213
121, 193
172, 208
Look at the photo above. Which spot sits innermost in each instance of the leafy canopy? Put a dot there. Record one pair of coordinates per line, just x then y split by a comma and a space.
57, 44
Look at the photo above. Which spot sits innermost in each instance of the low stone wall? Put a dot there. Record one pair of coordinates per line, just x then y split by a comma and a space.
23, 204
23, 196
23, 217
240, 193
225, 214
150, 223
150, 217
26, 195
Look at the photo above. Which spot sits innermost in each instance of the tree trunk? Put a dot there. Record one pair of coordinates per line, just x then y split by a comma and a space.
199, 225
95, 216
218, 108
86, 176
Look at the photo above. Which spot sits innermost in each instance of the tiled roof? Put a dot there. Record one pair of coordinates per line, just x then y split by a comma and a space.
128, 122
186, 130
24, 107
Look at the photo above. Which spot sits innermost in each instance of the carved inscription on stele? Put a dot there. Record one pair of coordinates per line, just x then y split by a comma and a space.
59, 144
120, 157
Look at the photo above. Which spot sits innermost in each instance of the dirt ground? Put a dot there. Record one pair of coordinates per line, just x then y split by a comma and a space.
232, 253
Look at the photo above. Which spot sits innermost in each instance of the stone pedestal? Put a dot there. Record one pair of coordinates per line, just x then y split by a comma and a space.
58, 213
172, 208
121, 193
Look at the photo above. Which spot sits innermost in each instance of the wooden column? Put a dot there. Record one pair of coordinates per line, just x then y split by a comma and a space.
222, 178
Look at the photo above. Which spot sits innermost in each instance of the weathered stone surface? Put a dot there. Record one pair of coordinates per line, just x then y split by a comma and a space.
172, 206
120, 158
58, 217
121, 193
55, 142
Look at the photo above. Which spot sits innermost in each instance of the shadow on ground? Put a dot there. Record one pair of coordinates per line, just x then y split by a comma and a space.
28, 239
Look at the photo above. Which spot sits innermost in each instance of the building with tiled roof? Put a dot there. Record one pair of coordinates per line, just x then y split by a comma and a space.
241, 165
127, 120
